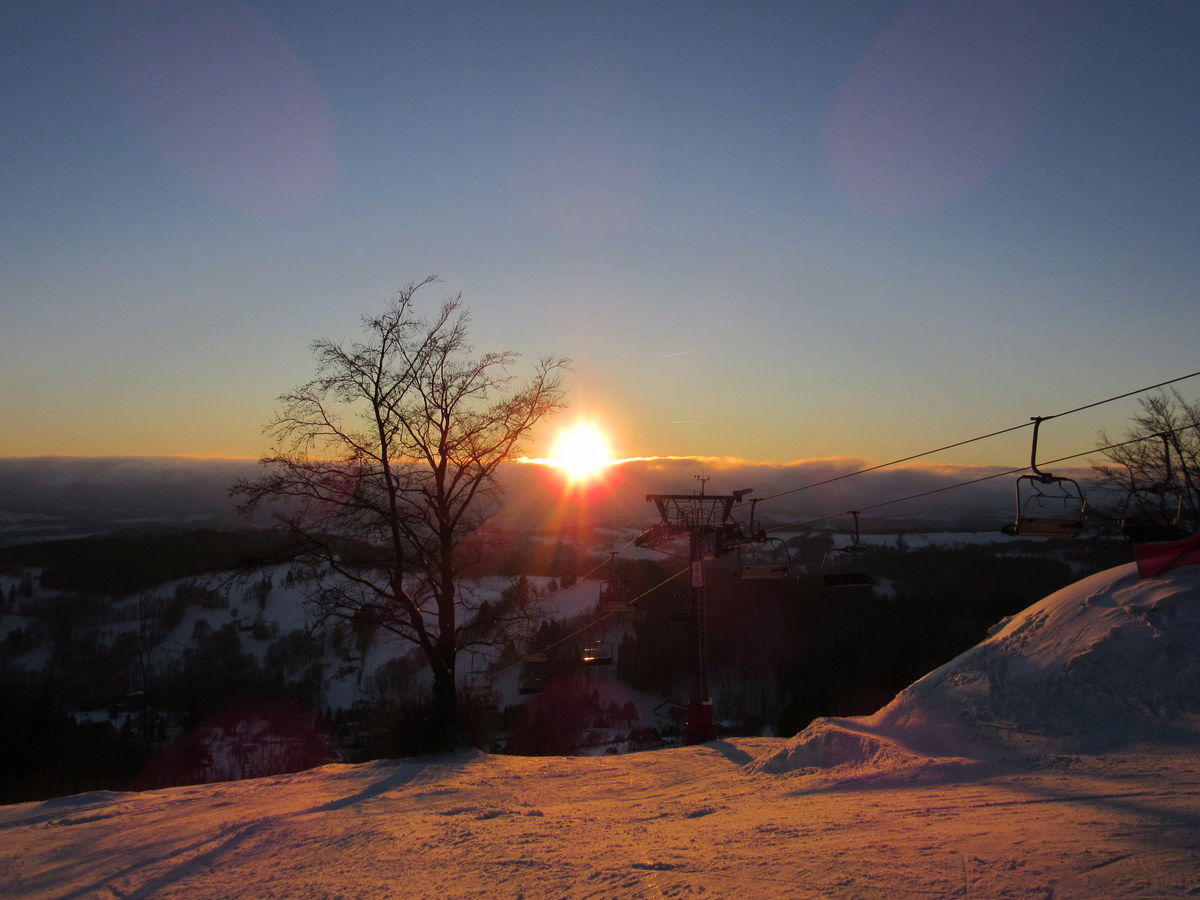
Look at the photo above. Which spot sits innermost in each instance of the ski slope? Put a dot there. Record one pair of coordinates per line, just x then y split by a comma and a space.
1056, 758
662, 823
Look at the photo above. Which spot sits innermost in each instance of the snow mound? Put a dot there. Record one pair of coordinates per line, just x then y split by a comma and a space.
1105, 661
850, 749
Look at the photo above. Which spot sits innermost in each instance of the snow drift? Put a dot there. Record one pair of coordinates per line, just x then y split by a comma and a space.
1103, 662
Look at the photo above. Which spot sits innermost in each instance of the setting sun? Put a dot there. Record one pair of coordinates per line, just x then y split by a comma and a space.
581, 451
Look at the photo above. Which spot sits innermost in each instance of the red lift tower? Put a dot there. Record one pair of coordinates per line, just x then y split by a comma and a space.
708, 522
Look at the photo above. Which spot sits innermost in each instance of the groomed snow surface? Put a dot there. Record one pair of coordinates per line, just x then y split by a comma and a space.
1058, 757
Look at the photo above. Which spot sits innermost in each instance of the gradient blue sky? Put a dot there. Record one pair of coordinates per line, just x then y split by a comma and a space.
769, 231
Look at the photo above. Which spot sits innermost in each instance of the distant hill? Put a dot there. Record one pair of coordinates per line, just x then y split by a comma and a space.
137, 559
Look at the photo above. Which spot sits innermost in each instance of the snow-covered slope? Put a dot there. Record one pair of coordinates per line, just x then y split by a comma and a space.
921, 799
667, 823
1104, 661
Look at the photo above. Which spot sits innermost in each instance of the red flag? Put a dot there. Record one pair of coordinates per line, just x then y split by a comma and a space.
1154, 559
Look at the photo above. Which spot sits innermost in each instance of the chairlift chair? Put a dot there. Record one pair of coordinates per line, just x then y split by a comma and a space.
838, 571
482, 695
763, 559
1154, 532
1145, 526
1050, 506
760, 557
535, 673
478, 689
599, 654
613, 592
848, 579
613, 599
837, 566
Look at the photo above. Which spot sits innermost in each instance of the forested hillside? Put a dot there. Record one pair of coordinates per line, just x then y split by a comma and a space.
140, 659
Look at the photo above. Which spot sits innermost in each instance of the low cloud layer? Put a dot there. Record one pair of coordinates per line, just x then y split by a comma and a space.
188, 490
175, 489
622, 493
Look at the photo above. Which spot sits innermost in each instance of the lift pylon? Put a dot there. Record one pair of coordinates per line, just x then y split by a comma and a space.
707, 520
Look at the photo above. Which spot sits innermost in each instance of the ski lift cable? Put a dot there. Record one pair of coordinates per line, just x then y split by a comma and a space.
592, 571
596, 568
884, 503
606, 616
982, 437
879, 505
593, 623
960, 484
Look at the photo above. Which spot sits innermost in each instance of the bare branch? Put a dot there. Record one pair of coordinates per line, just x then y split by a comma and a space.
1157, 475
384, 463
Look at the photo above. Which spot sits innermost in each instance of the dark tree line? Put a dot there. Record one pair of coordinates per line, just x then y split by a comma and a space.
138, 559
106, 700
783, 653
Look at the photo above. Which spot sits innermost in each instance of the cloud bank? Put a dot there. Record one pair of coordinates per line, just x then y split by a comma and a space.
180, 490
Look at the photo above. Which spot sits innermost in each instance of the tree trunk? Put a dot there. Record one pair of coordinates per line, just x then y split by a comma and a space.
445, 705
445, 692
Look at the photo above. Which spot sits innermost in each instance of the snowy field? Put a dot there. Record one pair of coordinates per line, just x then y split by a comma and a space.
664, 823
1056, 758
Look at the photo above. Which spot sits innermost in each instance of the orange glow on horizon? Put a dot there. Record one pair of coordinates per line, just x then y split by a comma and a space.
581, 451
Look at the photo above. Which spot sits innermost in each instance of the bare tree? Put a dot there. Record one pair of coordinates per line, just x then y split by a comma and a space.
1151, 477
384, 466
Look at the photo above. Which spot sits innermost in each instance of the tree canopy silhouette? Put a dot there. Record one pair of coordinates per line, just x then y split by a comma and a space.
384, 464
1158, 476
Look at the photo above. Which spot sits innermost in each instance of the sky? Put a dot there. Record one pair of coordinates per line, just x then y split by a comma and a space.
774, 232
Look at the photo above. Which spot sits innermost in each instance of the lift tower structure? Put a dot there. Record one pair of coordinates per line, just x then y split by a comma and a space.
708, 522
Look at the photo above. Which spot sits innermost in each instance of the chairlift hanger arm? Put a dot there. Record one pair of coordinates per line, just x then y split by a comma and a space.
1045, 477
